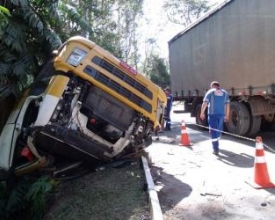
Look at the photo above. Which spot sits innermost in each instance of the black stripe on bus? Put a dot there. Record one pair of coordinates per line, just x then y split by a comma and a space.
98, 76
121, 75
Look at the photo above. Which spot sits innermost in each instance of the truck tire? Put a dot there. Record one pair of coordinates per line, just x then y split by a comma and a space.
239, 119
255, 125
200, 122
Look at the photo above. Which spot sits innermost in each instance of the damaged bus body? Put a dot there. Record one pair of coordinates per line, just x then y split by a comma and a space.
85, 105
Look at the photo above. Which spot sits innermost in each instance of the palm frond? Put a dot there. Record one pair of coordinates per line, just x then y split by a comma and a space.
5, 69
4, 14
16, 200
52, 38
22, 3
37, 196
14, 38
33, 19
36, 23
42, 185
4, 11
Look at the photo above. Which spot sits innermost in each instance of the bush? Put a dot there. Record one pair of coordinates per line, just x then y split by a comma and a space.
26, 199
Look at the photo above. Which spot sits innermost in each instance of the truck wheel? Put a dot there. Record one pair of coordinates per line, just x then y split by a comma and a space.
198, 119
255, 125
239, 119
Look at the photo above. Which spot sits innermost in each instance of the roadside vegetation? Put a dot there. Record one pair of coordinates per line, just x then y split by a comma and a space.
25, 198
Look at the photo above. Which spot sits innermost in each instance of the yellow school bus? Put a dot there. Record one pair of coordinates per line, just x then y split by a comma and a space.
86, 106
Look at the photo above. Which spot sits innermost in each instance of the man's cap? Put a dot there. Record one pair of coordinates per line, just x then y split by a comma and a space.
214, 83
167, 88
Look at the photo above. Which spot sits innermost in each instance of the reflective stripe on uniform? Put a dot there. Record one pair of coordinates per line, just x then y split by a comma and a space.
215, 139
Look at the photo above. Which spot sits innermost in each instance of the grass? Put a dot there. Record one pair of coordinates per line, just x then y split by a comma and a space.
115, 193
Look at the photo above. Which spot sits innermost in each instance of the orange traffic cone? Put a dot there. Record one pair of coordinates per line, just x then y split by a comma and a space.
184, 136
261, 176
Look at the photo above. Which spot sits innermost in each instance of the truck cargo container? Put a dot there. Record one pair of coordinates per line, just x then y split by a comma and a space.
233, 44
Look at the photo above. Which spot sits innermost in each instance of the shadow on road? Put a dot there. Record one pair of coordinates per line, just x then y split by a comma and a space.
271, 190
172, 190
240, 160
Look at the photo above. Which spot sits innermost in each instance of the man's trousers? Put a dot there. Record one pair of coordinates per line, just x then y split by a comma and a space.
215, 128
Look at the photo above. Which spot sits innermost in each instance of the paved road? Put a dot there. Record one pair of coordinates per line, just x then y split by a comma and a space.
193, 183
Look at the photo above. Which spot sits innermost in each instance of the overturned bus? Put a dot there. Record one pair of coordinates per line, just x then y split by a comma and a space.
85, 106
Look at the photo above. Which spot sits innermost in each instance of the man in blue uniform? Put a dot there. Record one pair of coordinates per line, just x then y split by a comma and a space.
168, 108
217, 101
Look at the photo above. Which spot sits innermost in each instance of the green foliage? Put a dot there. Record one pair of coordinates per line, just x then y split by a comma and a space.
37, 196
27, 199
157, 71
32, 29
79, 22
16, 199
128, 13
4, 12
26, 42
184, 12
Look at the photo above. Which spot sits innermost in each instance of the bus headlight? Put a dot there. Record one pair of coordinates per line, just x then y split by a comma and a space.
76, 56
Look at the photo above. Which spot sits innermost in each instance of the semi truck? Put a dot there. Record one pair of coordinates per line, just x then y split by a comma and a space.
234, 45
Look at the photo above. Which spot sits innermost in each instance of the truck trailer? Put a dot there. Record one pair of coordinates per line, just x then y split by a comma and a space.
233, 44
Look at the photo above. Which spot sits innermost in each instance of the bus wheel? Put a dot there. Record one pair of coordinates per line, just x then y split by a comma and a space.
239, 119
